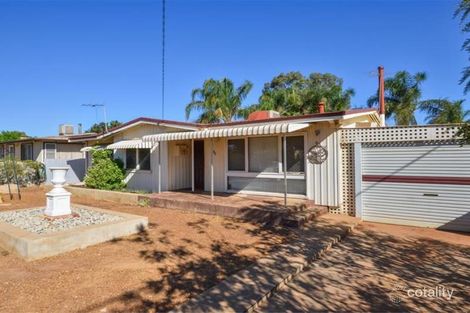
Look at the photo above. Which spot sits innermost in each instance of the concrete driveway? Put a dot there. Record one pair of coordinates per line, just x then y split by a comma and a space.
384, 268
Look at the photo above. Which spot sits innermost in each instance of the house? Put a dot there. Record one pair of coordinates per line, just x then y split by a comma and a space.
237, 157
56, 150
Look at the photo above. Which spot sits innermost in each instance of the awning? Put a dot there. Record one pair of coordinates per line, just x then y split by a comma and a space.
130, 144
269, 129
88, 149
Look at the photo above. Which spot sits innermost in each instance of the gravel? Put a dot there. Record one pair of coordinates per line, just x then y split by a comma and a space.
35, 221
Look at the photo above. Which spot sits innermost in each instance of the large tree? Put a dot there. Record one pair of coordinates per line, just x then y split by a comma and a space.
100, 127
7, 135
402, 97
463, 13
443, 111
219, 101
294, 94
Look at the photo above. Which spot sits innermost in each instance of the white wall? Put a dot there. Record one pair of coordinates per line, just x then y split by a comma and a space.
218, 162
179, 165
323, 179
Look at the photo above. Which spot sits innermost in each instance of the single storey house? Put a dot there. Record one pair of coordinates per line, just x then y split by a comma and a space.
264, 155
61, 150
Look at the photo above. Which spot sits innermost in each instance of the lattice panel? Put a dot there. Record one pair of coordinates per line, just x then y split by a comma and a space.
399, 133
347, 181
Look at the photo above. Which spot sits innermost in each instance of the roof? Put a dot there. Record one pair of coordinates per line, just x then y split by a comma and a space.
316, 117
62, 138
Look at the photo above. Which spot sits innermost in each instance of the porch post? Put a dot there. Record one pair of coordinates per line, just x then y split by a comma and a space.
192, 165
159, 167
212, 169
284, 167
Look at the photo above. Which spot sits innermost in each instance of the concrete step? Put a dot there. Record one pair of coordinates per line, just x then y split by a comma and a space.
295, 215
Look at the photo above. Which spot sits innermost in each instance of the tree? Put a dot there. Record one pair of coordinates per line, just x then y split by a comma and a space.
100, 128
464, 134
7, 135
402, 95
462, 12
443, 111
294, 94
218, 100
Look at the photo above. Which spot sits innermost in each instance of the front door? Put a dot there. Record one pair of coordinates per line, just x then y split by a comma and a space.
199, 165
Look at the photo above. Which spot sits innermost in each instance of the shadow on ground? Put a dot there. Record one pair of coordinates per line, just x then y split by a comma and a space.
372, 271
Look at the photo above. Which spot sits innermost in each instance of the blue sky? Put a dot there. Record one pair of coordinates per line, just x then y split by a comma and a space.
56, 55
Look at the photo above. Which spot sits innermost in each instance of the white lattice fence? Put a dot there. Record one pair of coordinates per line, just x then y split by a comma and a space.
382, 135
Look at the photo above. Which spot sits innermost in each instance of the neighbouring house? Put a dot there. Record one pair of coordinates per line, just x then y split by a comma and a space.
52, 151
237, 157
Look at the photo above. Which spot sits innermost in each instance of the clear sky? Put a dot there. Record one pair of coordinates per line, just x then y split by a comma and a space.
56, 55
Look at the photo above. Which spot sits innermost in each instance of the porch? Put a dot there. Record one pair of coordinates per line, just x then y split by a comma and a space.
269, 211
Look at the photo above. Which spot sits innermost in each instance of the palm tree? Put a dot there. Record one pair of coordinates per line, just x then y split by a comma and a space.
402, 95
463, 13
218, 100
443, 111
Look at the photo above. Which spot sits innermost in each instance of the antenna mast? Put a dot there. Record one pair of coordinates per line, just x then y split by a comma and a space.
163, 57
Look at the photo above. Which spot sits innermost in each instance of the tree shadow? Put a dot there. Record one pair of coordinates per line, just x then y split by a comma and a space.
372, 271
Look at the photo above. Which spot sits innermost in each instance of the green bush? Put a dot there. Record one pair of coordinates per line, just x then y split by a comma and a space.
28, 172
105, 173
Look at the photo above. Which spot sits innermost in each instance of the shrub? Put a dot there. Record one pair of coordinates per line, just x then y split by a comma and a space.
28, 172
105, 172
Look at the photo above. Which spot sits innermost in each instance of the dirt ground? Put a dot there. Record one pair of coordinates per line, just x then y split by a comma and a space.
384, 268
179, 256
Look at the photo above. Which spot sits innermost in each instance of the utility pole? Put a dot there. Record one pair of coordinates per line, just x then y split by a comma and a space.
96, 105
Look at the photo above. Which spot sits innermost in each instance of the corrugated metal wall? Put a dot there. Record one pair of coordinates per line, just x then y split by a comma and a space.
323, 182
219, 164
179, 165
419, 203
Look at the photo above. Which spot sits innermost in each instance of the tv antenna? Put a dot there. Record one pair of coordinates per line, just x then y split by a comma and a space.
96, 106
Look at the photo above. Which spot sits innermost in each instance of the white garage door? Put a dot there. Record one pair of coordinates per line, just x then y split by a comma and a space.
420, 185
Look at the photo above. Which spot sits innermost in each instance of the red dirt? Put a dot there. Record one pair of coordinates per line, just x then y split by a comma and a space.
180, 255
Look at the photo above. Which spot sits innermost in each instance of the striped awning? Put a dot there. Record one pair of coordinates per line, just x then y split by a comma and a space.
268, 129
88, 149
130, 144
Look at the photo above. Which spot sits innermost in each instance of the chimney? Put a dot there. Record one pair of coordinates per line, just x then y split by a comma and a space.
381, 95
321, 107
262, 115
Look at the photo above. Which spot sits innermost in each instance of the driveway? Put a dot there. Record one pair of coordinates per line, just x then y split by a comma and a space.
383, 268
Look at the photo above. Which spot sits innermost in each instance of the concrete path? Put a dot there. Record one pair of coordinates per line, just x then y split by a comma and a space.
242, 291
383, 268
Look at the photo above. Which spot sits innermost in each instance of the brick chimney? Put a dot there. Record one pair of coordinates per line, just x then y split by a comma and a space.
321, 107
262, 115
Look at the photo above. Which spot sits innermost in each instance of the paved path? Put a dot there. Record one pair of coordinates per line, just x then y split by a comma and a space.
363, 272
243, 290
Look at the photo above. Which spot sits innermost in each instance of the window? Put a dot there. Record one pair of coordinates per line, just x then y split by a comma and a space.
50, 150
26, 151
11, 151
236, 155
144, 159
2, 152
263, 154
131, 159
295, 154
